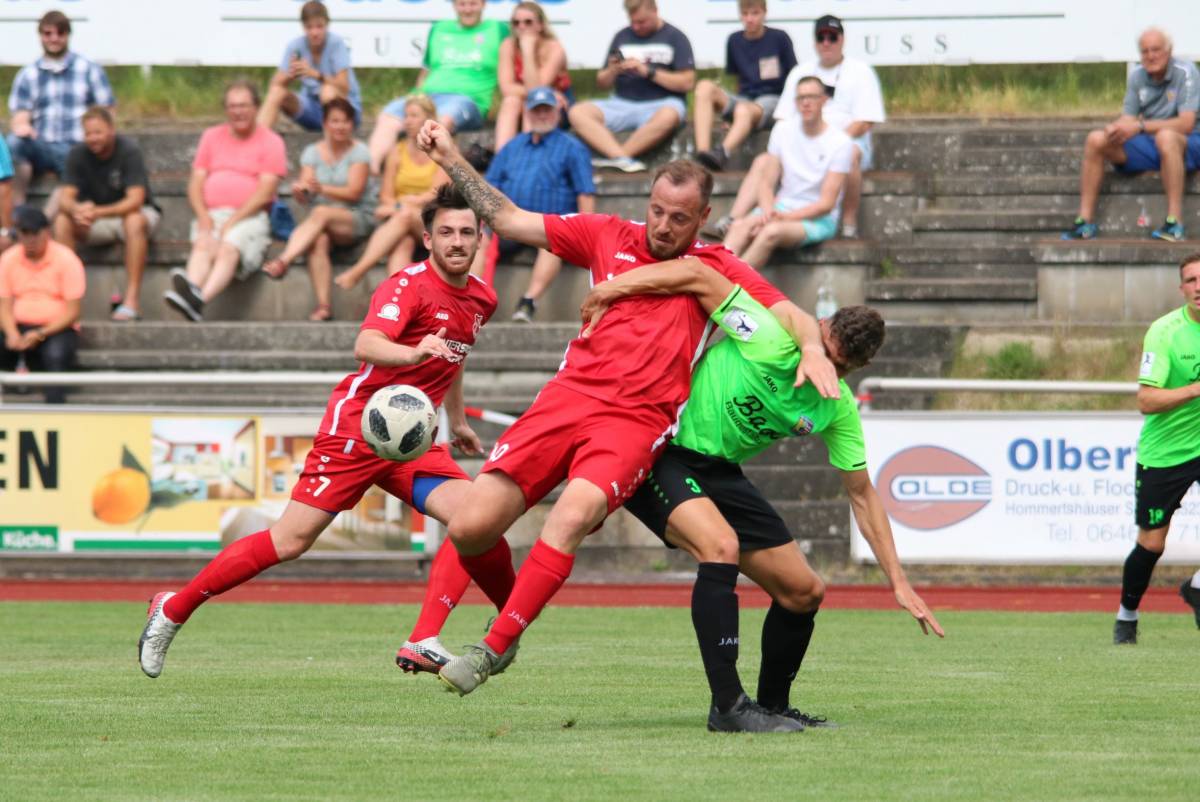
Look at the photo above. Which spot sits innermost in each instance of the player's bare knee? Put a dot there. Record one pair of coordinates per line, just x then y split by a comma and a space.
802, 597
722, 549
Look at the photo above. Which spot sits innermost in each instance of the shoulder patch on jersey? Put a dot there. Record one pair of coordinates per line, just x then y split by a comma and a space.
389, 312
415, 269
1147, 367
741, 323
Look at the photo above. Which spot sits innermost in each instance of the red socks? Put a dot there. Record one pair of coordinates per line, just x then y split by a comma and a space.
448, 582
236, 563
492, 572
543, 573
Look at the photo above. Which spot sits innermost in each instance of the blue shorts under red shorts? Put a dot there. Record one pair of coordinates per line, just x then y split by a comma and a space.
338, 471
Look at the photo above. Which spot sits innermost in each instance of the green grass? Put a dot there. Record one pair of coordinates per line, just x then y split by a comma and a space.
293, 702
192, 93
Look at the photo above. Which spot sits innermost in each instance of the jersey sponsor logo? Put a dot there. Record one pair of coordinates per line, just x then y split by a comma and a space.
741, 323
624, 257
746, 414
415, 269
929, 487
389, 312
1147, 368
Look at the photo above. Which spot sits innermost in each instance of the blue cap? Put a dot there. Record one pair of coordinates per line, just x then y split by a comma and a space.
542, 96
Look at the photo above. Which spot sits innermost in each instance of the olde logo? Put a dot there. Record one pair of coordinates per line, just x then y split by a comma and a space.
927, 487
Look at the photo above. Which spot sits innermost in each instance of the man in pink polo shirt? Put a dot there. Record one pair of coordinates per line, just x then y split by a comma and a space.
236, 171
41, 286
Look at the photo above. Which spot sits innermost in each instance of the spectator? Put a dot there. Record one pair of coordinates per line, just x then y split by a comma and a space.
321, 63
236, 171
530, 57
543, 170
855, 106
808, 159
105, 198
1157, 130
6, 174
333, 178
461, 61
650, 65
47, 103
41, 286
410, 180
761, 58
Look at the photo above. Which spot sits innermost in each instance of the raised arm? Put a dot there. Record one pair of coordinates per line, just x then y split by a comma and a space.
873, 523
504, 217
677, 276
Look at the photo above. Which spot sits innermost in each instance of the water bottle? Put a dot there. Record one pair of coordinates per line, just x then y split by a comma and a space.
826, 303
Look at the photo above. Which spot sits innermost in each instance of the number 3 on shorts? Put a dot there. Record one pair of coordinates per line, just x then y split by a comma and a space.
693, 486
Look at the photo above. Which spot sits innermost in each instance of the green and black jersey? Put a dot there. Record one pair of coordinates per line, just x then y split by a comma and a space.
1171, 359
743, 398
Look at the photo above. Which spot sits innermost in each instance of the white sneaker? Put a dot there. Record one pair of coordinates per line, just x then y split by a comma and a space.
600, 161
627, 164
156, 637
425, 655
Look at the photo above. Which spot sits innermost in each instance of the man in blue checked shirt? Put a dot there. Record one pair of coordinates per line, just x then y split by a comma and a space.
544, 170
47, 103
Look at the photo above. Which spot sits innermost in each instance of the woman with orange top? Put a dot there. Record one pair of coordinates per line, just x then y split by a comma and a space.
530, 57
410, 180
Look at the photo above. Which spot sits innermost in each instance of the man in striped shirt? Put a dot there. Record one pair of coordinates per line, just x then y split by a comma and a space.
47, 103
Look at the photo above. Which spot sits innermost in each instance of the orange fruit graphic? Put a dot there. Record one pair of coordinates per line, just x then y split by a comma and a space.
120, 496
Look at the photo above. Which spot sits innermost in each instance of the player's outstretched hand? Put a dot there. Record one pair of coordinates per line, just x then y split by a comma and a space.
465, 439
907, 598
434, 139
594, 305
816, 367
433, 345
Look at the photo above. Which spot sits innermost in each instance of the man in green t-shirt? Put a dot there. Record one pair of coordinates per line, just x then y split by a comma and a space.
1169, 446
459, 73
744, 397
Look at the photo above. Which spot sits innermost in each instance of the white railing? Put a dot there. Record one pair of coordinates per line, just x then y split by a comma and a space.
871, 385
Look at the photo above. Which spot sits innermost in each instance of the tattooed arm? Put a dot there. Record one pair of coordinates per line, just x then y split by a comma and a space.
505, 218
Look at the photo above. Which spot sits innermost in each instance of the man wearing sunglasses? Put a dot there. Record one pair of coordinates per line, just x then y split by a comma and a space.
744, 397
855, 106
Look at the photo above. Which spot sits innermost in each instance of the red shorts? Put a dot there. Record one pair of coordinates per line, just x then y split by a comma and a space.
568, 435
338, 471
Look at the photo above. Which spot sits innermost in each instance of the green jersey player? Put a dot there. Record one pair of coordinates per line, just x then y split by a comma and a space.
1169, 446
746, 395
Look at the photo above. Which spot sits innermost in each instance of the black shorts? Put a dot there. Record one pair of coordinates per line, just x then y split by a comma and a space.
1159, 492
682, 474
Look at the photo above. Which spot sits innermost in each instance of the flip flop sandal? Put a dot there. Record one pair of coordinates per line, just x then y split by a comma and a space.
123, 313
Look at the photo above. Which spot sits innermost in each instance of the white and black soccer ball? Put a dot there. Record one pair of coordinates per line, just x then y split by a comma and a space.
398, 422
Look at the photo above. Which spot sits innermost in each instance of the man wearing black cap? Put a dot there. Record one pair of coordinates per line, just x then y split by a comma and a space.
545, 170
855, 107
41, 286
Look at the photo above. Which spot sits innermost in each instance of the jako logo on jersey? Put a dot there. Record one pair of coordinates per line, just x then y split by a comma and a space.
389, 312
624, 257
740, 322
927, 487
442, 315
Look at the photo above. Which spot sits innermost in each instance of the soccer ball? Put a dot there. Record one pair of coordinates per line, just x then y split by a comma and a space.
398, 422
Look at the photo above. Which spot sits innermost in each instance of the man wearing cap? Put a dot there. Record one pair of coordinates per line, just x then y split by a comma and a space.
545, 170
41, 287
855, 105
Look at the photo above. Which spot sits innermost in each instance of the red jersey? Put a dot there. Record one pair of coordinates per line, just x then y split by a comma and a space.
407, 306
644, 348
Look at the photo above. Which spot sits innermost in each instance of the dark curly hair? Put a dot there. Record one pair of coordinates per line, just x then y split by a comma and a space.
447, 198
859, 332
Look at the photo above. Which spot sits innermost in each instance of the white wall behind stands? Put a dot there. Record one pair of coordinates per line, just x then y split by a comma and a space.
1022, 488
391, 33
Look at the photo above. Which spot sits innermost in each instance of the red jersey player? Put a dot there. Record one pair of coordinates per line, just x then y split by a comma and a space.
601, 422
421, 325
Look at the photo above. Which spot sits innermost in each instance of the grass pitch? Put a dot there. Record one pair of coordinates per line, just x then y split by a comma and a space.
287, 702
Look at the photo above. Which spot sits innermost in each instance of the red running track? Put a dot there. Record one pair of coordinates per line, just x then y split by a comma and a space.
838, 597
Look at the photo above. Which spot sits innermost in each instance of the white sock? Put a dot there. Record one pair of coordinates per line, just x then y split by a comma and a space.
1196, 580
1126, 615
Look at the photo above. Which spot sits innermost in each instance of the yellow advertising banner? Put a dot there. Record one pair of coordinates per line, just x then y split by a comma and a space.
129, 481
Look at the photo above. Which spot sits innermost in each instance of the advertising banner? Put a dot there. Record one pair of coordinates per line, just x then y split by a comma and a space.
76, 481
1005, 488
392, 33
